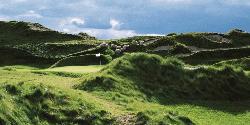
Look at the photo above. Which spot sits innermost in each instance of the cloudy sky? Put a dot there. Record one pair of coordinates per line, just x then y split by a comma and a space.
121, 18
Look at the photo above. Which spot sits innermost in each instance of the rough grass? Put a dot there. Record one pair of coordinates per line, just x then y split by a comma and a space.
39, 104
153, 77
56, 103
206, 95
119, 107
134, 89
244, 63
215, 56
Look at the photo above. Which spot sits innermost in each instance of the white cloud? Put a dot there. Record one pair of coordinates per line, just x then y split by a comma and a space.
30, 14
110, 33
113, 32
137, 13
115, 24
72, 21
151, 35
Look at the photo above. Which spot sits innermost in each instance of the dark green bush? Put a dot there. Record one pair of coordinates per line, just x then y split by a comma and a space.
171, 34
180, 49
141, 119
12, 89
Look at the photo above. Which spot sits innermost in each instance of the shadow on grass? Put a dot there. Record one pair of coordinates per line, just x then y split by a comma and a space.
234, 108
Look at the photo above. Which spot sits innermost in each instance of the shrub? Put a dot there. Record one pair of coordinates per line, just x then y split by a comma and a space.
141, 119
180, 49
12, 89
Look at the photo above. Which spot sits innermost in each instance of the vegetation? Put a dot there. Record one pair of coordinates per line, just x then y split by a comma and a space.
213, 56
180, 49
143, 75
48, 77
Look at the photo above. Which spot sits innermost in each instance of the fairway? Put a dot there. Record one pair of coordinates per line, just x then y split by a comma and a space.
76, 69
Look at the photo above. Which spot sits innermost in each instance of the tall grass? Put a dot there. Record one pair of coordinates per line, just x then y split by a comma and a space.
152, 77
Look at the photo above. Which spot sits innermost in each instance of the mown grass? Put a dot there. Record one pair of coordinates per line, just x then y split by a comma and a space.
77, 69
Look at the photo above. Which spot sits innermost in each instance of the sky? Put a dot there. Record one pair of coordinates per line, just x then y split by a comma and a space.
111, 19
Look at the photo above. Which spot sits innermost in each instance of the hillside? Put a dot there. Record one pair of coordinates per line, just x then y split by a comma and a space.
48, 78
42, 42
14, 32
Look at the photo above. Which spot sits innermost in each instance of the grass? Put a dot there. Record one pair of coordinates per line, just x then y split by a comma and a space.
70, 69
137, 88
143, 74
113, 102
134, 81
77, 69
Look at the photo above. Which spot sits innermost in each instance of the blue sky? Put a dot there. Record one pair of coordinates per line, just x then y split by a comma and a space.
107, 19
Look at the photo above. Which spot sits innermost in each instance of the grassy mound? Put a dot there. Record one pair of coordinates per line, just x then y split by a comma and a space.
180, 49
153, 78
239, 37
32, 103
200, 40
39, 104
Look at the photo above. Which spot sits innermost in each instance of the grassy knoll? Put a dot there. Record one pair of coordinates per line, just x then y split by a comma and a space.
139, 80
143, 74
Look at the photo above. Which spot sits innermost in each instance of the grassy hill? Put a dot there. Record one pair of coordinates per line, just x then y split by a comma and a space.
14, 32
49, 77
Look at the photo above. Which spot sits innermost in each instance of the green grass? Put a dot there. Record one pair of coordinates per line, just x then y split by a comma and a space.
199, 112
205, 95
144, 74
137, 88
76, 69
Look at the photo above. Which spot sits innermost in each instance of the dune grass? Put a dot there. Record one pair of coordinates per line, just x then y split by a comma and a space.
118, 105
